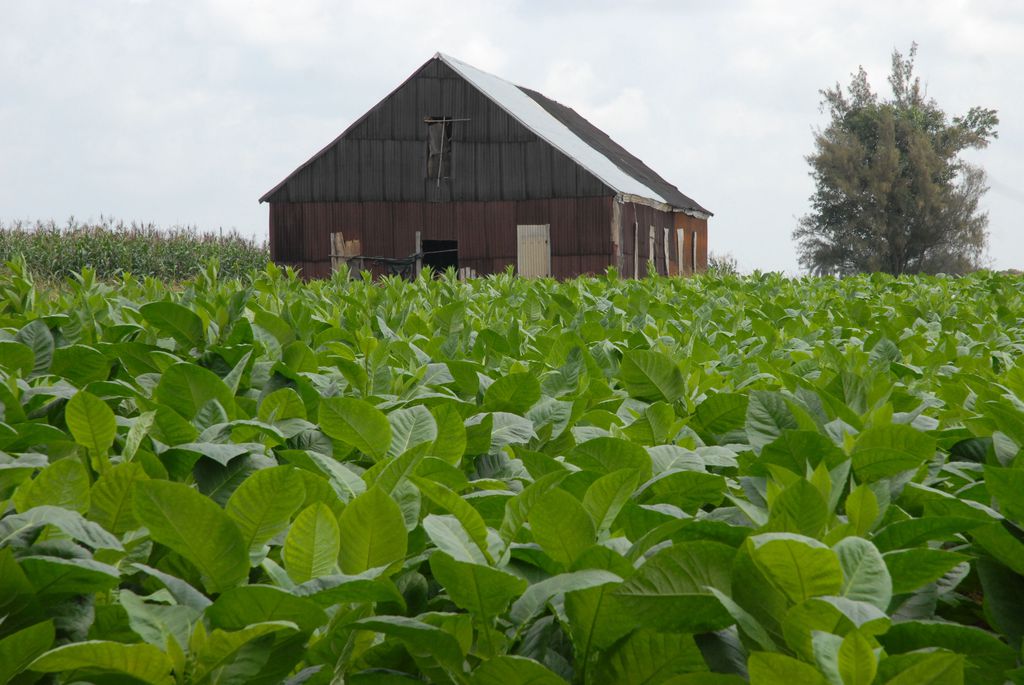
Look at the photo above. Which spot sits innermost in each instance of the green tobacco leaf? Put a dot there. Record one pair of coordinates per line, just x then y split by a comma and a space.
889, 450
607, 455
174, 513
513, 670
421, 639
110, 501
798, 566
410, 427
865, 576
911, 569
80, 364
479, 589
1007, 487
357, 423
16, 357
449, 536
518, 508
778, 669
63, 577
313, 542
140, 661
513, 393
368, 586
91, 422
186, 387
722, 412
176, 321
64, 483
372, 531
538, 594
470, 519
243, 606
768, 416
263, 504
670, 591
36, 336
988, 657
799, 508
20, 649
69, 522
857, 663
561, 526
651, 375
244, 652
648, 657
939, 668
606, 496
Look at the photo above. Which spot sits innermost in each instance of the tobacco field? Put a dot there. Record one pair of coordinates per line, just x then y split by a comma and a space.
507, 482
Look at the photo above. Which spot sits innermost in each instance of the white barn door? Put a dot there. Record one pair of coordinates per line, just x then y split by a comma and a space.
534, 250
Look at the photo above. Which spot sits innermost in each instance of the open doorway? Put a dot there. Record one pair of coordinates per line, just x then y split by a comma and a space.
440, 254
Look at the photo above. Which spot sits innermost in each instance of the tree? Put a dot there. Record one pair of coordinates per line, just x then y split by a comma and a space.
892, 193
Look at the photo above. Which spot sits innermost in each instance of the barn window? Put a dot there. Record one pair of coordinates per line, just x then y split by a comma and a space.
439, 147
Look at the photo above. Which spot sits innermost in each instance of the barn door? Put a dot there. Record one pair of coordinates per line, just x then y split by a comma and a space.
534, 250
681, 249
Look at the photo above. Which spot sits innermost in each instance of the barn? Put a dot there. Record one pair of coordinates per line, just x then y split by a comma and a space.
457, 167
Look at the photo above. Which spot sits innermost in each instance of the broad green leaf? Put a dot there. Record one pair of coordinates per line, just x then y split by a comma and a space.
410, 427
263, 504
857, 662
158, 622
800, 567
538, 594
313, 542
670, 592
515, 393
36, 336
186, 387
372, 532
80, 364
176, 321
865, 576
651, 375
917, 531
889, 450
722, 412
862, 509
988, 657
479, 589
607, 455
369, 586
768, 416
140, 661
243, 606
64, 483
91, 422
767, 668
938, 668
222, 650
518, 508
471, 520
799, 508
69, 522
16, 357
648, 657
561, 526
911, 569
21, 648
64, 577
449, 536
357, 423
110, 501
606, 496
1007, 488
513, 670
421, 639
174, 513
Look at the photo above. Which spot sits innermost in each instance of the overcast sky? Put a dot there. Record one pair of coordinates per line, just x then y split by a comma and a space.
186, 112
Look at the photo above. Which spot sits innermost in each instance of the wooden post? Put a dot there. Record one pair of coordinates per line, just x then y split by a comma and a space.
419, 258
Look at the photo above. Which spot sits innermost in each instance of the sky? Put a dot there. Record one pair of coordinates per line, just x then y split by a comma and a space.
184, 112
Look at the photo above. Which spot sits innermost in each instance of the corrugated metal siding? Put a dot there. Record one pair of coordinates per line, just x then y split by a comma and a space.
485, 231
645, 217
384, 156
691, 224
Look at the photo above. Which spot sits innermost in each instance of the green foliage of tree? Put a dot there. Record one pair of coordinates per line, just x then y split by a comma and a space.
891, 192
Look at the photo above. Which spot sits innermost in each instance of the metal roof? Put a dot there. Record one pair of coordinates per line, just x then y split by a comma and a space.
575, 137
